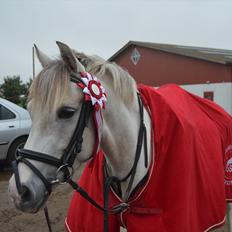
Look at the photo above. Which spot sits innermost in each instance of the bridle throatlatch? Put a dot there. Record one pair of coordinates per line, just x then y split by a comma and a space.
94, 102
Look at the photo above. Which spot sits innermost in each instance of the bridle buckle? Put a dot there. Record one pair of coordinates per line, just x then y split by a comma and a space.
122, 207
63, 174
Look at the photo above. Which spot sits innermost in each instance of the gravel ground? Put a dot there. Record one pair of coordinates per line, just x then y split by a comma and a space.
12, 220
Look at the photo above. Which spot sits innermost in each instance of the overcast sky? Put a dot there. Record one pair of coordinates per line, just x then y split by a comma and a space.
103, 26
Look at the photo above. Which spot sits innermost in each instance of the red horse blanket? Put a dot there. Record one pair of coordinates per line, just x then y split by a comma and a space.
191, 176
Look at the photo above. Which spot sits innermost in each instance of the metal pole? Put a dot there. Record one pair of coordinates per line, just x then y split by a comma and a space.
33, 61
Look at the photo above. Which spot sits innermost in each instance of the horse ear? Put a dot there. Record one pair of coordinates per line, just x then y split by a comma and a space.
69, 58
43, 59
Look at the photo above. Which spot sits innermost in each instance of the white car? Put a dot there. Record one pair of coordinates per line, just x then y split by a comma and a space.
15, 125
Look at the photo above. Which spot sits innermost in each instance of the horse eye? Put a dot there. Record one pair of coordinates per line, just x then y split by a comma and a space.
66, 112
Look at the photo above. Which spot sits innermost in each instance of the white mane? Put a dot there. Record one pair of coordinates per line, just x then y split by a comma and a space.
51, 85
122, 83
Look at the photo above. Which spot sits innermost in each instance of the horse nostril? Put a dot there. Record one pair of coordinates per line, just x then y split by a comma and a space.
26, 194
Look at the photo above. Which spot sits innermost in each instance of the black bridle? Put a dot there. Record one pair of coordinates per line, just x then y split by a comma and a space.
65, 163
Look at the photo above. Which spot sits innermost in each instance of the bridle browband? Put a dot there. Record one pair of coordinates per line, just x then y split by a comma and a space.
65, 163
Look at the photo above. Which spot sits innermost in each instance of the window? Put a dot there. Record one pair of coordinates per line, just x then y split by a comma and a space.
135, 56
5, 113
208, 95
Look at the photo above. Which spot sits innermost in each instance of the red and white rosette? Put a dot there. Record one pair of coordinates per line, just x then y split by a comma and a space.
93, 90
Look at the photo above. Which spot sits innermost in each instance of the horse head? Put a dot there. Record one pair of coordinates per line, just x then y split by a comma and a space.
55, 105
66, 103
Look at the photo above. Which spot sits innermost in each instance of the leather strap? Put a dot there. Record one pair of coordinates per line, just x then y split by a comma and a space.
39, 174
17, 177
131, 174
84, 194
75, 144
47, 218
38, 156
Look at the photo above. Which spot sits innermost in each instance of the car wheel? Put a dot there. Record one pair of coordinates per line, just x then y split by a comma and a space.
18, 143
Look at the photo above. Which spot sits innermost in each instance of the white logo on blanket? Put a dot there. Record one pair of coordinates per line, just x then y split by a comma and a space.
228, 167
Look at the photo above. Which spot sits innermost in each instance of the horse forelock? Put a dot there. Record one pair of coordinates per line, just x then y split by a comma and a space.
49, 89
51, 86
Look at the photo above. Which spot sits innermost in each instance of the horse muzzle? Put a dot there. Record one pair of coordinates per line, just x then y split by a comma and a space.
32, 197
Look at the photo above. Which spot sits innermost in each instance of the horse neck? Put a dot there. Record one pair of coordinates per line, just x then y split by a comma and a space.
119, 138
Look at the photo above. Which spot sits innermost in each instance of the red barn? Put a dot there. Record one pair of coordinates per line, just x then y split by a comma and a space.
206, 72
